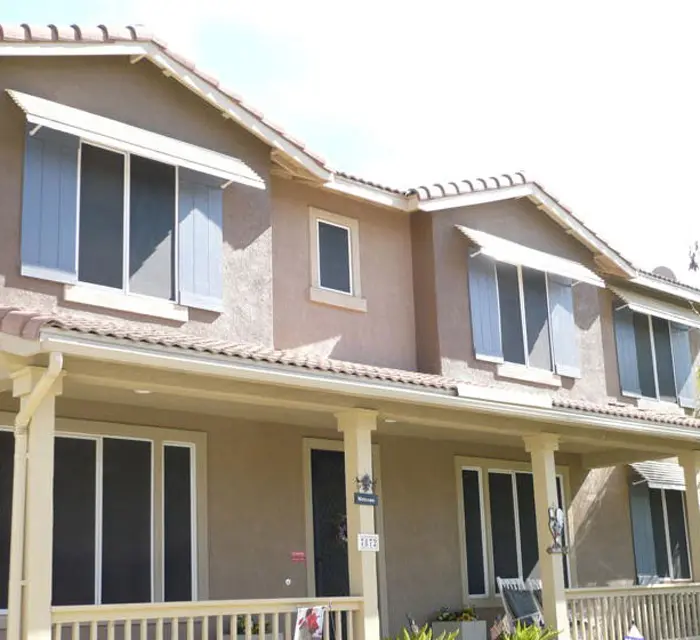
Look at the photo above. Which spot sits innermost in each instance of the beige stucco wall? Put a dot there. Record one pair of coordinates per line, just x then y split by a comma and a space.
519, 221
140, 95
256, 503
384, 335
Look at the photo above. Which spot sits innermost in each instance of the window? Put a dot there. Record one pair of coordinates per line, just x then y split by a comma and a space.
654, 357
504, 506
126, 222
335, 257
522, 316
106, 511
660, 533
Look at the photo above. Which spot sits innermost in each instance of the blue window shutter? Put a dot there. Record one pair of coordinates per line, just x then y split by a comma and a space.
626, 351
200, 241
567, 357
642, 533
49, 206
683, 366
483, 300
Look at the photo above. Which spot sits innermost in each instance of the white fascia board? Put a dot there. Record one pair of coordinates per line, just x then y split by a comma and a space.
667, 287
367, 192
112, 350
584, 234
72, 49
232, 109
476, 197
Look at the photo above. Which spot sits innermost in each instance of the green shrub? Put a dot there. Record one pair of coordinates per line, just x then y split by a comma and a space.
462, 615
530, 632
424, 633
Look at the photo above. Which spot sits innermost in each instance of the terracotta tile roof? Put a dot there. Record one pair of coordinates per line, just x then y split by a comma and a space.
459, 187
370, 183
29, 33
28, 325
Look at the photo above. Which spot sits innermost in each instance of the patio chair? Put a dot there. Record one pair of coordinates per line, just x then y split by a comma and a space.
520, 602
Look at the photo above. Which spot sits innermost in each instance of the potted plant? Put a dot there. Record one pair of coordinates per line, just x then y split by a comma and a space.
255, 629
465, 621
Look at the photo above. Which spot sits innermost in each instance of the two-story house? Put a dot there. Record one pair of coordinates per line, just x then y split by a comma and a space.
209, 337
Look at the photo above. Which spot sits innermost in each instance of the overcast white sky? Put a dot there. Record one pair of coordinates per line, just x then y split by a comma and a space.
597, 100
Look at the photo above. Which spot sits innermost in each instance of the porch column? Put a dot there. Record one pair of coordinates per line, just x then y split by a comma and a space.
35, 562
690, 460
357, 426
541, 448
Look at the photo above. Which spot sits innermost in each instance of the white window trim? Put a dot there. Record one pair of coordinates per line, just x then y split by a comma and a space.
121, 299
669, 554
159, 437
323, 295
656, 402
515, 370
484, 466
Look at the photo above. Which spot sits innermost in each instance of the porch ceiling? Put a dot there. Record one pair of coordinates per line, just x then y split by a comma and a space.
100, 390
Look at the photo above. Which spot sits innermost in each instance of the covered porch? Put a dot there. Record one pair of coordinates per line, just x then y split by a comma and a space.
245, 548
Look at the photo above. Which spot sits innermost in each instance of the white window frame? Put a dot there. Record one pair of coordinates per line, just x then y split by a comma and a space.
669, 555
352, 300
484, 466
160, 437
122, 298
652, 342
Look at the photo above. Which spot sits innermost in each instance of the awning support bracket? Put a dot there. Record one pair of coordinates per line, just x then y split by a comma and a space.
35, 129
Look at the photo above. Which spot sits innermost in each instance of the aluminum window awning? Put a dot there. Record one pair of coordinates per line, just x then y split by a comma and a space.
650, 306
516, 254
124, 137
661, 475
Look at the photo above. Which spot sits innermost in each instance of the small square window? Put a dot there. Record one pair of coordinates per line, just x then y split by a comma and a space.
335, 261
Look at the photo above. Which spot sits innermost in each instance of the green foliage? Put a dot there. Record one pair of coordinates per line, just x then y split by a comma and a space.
461, 615
530, 632
424, 633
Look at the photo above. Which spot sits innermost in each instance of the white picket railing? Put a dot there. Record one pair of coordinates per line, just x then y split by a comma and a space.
208, 620
661, 612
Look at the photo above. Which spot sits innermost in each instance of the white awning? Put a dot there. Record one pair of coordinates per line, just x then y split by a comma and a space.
124, 137
651, 306
514, 253
661, 475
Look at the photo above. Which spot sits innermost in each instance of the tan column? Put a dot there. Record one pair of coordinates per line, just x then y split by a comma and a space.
541, 448
357, 426
38, 539
690, 460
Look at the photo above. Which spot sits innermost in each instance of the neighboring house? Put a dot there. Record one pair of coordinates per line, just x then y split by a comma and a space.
208, 337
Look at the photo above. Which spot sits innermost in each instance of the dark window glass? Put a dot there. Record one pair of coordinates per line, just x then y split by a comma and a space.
537, 319
664, 359
677, 534
334, 257
126, 521
473, 524
152, 228
560, 500
177, 525
645, 360
74, 491
101, 222
528, 523
659, 529
505, 555
511, 318
7, 452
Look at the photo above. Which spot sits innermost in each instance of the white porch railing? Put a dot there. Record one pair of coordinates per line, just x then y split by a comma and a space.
208, 620
661, 612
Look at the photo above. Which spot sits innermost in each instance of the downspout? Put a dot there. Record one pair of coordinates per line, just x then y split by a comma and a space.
19, 489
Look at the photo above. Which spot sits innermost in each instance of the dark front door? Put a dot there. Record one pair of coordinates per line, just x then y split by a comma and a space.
330, 526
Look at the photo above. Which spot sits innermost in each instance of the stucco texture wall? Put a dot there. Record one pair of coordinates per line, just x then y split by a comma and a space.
382, 336
140, 95
519, 221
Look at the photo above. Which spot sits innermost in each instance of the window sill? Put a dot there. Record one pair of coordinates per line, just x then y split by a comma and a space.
337, 299
139, 305
527, 374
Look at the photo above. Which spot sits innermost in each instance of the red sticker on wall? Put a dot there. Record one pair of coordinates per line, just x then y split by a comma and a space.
298, 556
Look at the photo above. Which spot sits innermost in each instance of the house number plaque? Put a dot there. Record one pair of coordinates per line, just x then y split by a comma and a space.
368, 542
